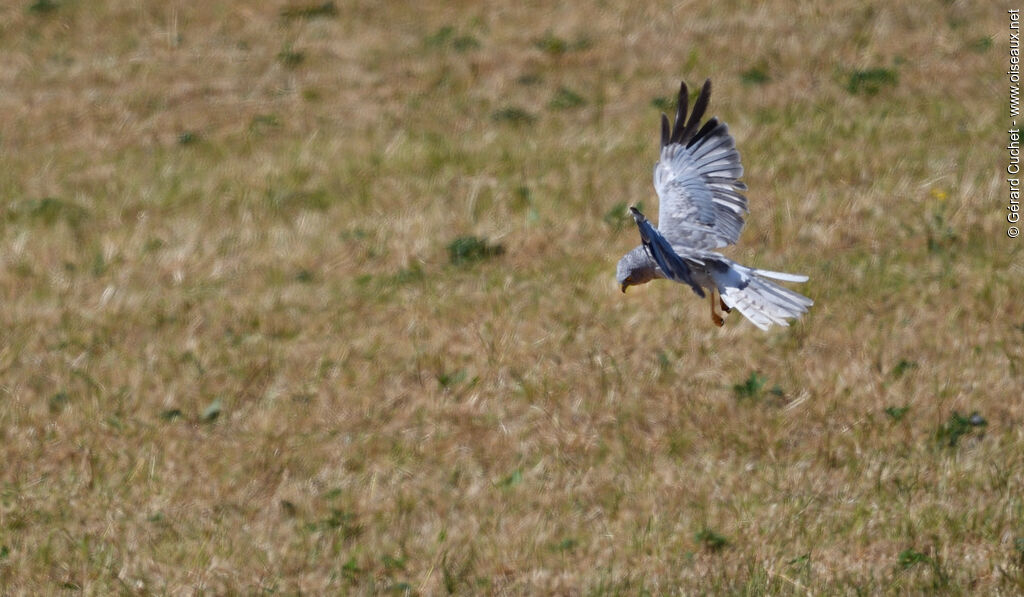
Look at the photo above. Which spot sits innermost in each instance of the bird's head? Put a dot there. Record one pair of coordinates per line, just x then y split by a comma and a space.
635, 267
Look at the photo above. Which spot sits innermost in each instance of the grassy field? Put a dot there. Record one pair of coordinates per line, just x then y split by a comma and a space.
319, 298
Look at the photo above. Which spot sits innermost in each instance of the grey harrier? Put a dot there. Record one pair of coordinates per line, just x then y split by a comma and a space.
701, 209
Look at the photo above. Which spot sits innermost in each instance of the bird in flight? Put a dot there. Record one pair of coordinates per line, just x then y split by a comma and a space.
701, 208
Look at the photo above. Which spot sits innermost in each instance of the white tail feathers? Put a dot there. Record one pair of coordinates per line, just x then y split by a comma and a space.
780, 276
761, 301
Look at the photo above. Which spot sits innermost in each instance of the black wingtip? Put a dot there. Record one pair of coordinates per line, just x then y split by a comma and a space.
699, 107
666, 131
684, 128
682, 105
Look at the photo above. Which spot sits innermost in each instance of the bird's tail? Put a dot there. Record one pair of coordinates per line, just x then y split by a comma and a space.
752, 293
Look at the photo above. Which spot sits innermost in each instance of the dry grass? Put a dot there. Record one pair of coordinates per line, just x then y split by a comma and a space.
237, 359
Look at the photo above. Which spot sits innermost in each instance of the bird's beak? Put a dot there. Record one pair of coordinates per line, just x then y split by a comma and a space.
624, 287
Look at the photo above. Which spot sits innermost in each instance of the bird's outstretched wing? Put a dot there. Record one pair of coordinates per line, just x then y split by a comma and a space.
671, 264
697, 179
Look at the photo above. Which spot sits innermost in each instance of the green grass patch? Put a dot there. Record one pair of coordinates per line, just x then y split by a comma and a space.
291, 57
465, 250
871, 81
980, 45
755, 75
447, 37
750, 388
43, 7
310, 11
566, 99
556, 46
902, 367
711, 541
958, 426
513, 115
187, 138
48, 211
896, 413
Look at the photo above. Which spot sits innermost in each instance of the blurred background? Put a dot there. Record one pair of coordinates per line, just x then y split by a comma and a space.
318, 297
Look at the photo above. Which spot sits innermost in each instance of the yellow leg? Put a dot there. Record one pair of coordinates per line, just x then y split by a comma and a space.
725, 308
715, 317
